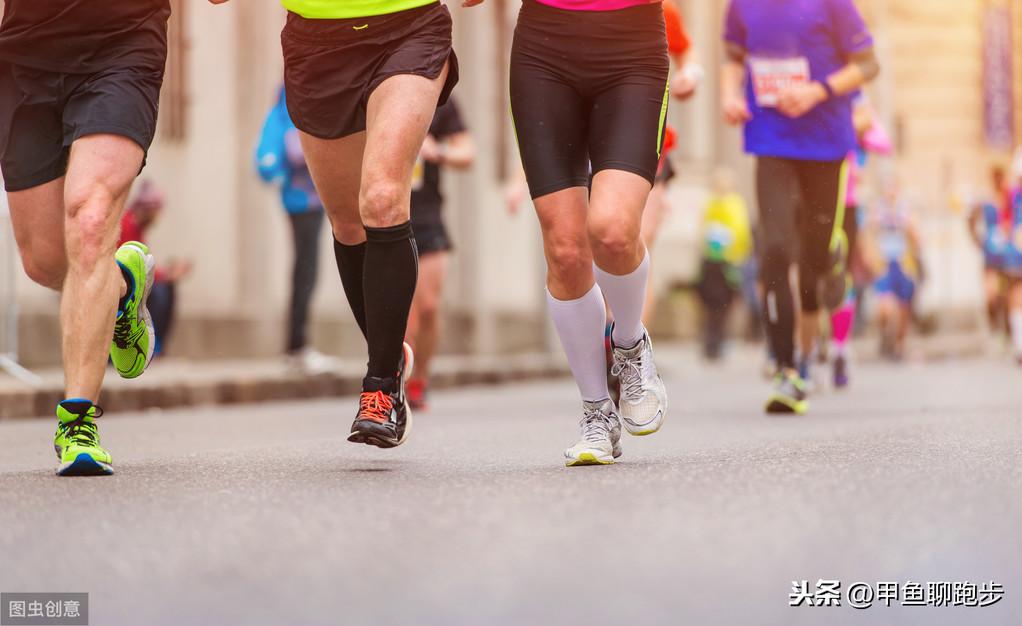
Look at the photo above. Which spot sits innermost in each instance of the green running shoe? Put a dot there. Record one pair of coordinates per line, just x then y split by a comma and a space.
77, 440
789, 394
134, 337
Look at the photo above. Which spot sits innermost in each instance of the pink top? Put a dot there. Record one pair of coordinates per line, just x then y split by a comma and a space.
595, 5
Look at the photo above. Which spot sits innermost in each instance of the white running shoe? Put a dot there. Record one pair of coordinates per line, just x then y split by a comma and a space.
311, 362
643, 395
601, 436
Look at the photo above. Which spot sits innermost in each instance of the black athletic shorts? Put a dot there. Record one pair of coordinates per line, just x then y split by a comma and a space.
798, 205
43, 112
588, 86
332, 66
431, 236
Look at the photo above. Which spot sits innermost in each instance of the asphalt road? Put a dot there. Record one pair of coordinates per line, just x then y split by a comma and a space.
265, 515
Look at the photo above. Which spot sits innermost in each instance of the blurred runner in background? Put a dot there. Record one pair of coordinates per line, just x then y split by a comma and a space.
872, 139
895, 253
791, 71
727, 243
142, 212
279, 160
448, 145
987, 227
1011, 223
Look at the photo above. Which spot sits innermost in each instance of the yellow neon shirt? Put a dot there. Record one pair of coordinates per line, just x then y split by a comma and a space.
344, 9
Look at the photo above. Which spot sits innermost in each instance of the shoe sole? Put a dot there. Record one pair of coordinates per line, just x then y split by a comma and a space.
150, 269
588, 458
371, 439
650, 427
781, 407
85, 465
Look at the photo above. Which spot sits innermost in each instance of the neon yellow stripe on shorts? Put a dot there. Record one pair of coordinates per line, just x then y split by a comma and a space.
663, 116
345, 9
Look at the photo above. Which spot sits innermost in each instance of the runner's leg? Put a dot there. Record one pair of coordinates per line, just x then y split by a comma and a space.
424, 320
100, 172
37, 216
398, 116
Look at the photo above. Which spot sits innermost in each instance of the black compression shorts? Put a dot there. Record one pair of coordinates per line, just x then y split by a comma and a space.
588, 86
331, 67
43, 112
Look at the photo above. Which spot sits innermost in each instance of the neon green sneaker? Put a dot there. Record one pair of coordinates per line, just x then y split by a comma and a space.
789, 394
77, 440
134, 337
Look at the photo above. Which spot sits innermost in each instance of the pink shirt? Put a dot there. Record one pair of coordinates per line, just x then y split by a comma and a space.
595, 5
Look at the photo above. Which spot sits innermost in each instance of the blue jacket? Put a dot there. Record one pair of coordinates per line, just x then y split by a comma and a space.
279, 160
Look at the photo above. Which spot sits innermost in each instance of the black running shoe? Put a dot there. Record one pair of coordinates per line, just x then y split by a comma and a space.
384, 418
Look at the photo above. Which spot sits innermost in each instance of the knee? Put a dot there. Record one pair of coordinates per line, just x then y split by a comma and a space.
568, 258
89, 211
384, 203
613, 239
429, 311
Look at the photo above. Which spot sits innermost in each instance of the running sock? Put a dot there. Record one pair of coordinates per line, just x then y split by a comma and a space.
350, 265
626, 296
841, 322
388, 283
1015, 318
580, 326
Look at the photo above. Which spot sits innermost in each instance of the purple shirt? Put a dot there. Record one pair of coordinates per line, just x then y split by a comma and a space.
791, 41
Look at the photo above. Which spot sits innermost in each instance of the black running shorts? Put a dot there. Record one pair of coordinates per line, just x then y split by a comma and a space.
431, 236
332, 66
43, 112
588, 86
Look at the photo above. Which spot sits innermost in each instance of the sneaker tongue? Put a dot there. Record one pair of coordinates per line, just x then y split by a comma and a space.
386, 385
71, 409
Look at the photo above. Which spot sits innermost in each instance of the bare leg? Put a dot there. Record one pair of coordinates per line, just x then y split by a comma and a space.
100, 173
808, 331
336, 168
652, 219
615, 219
424, 320
562, 216
37, 215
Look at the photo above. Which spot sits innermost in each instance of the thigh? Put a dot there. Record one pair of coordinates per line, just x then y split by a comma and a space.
551, 120
336, 169
627, 123
32, 150
778, 195
822, 204
616, 202
37, 218
398, 116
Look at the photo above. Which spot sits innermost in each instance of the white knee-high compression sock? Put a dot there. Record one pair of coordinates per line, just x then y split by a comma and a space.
626, 295
580, 325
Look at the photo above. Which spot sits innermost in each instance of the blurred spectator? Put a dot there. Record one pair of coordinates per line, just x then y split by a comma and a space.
280, 161
1012, 224
727, 243
141, 213
894, 248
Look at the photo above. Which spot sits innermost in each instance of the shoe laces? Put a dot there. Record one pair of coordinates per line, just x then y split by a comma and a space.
375, 406
81, 431
629, 370
122, 332
595, 425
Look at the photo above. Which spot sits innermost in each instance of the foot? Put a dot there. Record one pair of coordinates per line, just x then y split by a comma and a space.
600, 443
417, 391
643, 402
384, 418
311, 362
134, 338
77, 440
840, 371
789, 394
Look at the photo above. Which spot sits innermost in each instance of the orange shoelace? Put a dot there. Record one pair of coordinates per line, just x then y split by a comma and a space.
375, 406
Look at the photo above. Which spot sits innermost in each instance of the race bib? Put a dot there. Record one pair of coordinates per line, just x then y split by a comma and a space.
770, 77
418, 174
